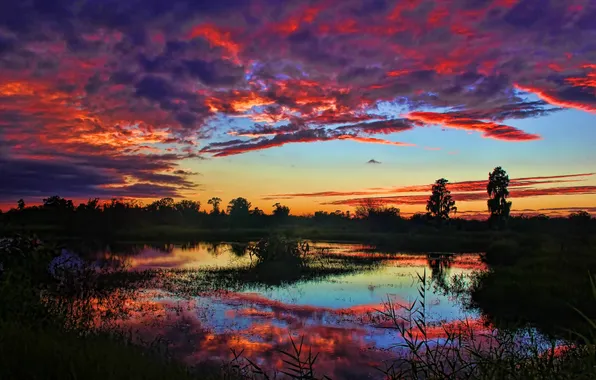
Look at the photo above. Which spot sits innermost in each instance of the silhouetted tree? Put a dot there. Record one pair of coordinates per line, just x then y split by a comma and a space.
580, 222
498, 206
21, 205
257, 212
215, 202
580, 217
239, 211
366, 207
91, 205
379, 217
239, 207
280, 211
187, 206
440, 203
161, 205
58, 203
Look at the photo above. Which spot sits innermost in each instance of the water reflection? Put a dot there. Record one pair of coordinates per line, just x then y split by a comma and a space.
190, 256
337, 315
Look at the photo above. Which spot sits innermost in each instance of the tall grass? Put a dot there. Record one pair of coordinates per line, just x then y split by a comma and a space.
463, 352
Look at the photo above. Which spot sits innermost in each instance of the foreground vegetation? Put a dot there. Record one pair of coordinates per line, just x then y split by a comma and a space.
60, 319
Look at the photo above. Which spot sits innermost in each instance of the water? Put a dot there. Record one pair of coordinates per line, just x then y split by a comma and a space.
336, 315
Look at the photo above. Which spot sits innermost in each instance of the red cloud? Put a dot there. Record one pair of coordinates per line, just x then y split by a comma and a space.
489, 129
462, 186
217, 37
372, 140
280, 139
552, 98
467, 197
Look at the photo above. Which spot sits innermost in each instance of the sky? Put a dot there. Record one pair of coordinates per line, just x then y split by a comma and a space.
315, 104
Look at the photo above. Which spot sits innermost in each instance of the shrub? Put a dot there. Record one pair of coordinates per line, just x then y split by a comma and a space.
502, 252
278, 249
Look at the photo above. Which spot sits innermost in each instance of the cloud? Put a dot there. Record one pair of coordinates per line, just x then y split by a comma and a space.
257, 142
41, 178
466, 196
462, 191
373, 161
488, 129
90, 82
380, 127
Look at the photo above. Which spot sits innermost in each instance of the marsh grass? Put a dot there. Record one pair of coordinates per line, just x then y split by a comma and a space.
53, 324
299, 364
464, 352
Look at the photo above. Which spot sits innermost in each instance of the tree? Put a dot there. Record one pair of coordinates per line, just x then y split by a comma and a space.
580, 221
215, 202
257, 212
280, 211
440, 203
58, 203
498, 206
378, 216
187, 206
580, 217
162, 205
91, 205
20, 205
239, 207
367, 207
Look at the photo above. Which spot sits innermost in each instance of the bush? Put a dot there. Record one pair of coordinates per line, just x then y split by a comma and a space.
58, 354
279, 250
502, 252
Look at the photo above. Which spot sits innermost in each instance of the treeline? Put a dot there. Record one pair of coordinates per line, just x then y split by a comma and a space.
95, 217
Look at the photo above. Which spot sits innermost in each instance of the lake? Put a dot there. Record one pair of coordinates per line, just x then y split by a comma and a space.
335, 314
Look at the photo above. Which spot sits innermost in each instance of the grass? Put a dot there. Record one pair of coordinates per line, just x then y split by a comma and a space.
461, 352
56, 354
520, 293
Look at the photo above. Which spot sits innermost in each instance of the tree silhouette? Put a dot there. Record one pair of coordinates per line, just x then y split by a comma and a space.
239, 207
280, 211
58, 203
91, 205
498, 206
21, 205
215, 202
257, 212
440, 203
187, 206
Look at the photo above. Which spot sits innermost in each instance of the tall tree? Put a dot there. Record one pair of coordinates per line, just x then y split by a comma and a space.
21, 205
498, 206
215, 202
440, 203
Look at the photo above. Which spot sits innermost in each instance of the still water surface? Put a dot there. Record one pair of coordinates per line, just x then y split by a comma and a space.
337, 315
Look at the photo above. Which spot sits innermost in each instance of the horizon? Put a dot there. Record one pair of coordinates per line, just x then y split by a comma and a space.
314, 105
